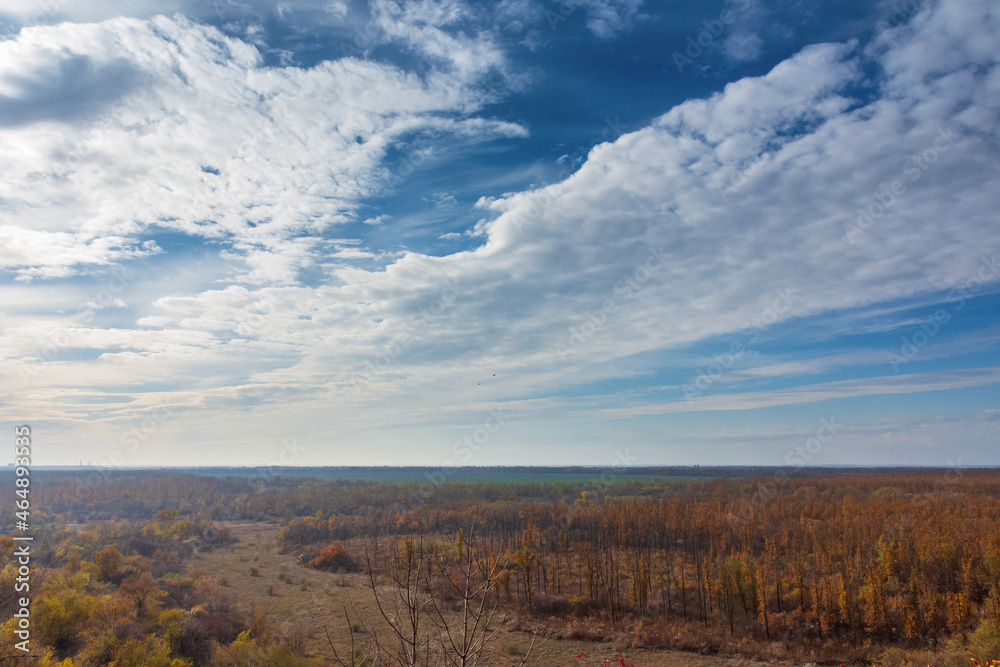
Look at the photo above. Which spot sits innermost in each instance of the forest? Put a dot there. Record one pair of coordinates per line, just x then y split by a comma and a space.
888, 569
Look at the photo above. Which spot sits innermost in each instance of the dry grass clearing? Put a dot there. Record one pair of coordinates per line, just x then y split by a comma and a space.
258, 576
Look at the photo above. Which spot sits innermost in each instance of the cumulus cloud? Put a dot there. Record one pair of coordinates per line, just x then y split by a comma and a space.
720, 243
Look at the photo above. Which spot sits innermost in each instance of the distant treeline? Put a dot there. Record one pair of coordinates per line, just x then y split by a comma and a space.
492, 474
79, 495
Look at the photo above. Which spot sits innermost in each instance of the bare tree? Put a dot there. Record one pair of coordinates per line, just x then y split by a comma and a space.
439, 607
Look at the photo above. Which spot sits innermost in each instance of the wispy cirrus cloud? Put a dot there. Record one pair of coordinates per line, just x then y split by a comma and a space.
814, 393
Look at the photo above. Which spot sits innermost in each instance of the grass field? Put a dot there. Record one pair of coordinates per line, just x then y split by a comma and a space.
315, 601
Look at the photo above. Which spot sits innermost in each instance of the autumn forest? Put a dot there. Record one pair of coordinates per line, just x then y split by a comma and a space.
845, 569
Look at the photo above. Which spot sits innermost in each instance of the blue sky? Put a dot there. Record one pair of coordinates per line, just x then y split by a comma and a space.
520, 232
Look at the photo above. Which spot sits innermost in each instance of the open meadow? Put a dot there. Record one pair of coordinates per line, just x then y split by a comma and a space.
312, 602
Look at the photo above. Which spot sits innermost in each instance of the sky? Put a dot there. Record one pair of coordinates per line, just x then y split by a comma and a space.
597, 232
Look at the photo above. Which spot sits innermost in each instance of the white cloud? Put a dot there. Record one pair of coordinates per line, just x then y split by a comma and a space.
743, 42
789, 369
51, 12
44, 254
378, 220
679, 231
560, 252
607, 18
429, 28
444, 200
743, 46
175, 126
